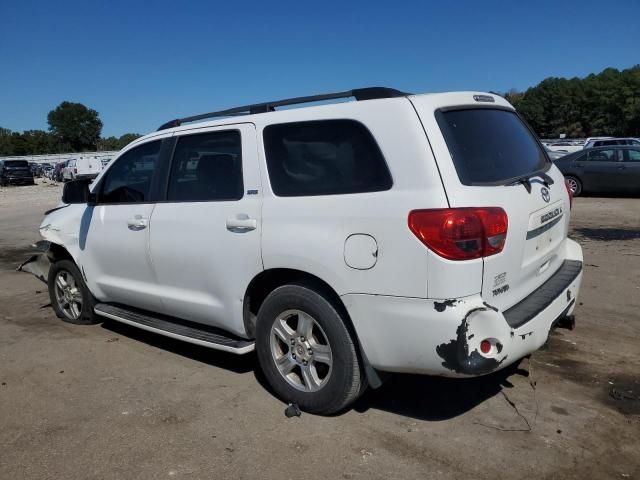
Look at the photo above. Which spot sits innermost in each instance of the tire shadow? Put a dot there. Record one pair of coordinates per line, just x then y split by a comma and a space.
435, 398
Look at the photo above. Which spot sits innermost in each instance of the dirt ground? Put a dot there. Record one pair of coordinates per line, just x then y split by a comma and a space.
109, 401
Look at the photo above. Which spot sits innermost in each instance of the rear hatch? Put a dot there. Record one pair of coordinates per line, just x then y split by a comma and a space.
488, 157
89, 166
17, 169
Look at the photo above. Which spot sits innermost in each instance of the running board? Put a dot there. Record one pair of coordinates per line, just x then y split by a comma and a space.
191, 332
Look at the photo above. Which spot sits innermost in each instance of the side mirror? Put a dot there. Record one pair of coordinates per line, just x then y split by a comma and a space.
77, 191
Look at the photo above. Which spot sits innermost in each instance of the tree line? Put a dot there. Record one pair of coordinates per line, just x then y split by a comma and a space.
72, 128
603, 104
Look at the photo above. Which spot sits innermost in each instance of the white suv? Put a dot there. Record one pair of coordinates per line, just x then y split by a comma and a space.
395, 233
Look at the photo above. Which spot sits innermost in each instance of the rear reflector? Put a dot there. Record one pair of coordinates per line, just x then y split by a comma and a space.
461, 233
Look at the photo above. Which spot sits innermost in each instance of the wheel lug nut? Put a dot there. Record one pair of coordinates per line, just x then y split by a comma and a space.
293, 355
305, 363
302, 339
310, 352
293, 341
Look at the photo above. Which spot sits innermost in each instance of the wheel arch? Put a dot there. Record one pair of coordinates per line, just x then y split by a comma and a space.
577, 177
268, 280
40, 264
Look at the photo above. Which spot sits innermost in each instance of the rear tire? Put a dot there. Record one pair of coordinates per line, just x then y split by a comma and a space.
306, 351
70, 297
575, 184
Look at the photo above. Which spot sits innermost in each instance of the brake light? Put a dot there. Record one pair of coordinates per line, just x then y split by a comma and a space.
461, 233
570, 192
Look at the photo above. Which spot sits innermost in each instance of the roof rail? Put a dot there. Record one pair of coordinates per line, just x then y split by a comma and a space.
369, 93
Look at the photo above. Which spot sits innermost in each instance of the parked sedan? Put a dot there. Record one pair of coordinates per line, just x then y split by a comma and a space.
603, 169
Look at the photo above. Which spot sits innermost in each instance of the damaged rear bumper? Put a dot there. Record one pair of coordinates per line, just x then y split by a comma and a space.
443, 337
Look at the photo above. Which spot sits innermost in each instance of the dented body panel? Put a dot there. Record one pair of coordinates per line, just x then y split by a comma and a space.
61, 232
442, 336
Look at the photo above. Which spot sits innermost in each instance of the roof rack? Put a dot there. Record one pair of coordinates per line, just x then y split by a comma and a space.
369, 93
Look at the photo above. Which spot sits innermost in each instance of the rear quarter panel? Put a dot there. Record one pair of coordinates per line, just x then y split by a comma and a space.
309, 233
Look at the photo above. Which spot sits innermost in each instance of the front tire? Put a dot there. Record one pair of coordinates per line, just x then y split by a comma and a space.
70, 297
574, 184
306, 351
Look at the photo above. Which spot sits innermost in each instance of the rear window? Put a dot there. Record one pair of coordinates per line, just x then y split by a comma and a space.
490, 146
326, 157
16, 164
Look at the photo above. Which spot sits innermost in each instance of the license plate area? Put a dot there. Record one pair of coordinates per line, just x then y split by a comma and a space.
545, 230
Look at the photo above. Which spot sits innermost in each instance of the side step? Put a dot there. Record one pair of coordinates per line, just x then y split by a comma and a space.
191, 332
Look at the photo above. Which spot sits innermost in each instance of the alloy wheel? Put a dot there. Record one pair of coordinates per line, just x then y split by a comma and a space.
300, 350
68, 295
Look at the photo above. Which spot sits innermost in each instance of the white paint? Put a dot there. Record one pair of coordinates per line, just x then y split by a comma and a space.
189, 264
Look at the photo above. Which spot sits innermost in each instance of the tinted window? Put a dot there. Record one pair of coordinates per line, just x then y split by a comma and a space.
326, 157
602, 156
129, 179
207, 166
489, 145
633, 155
16, 164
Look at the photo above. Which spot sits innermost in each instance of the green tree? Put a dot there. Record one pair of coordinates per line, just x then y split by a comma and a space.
113, 143
6, 146
40, 142
75, 125
108, 144
127, 138
607, 103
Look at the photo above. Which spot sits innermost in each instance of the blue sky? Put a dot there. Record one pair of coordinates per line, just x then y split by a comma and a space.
140, 64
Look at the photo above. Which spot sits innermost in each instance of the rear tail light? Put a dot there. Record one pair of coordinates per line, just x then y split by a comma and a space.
461, 233
570, 192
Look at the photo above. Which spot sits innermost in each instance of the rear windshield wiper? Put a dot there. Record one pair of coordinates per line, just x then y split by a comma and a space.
526, 180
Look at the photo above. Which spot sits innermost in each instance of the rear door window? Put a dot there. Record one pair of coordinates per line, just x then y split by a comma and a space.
326, 157
633, 156
490, 146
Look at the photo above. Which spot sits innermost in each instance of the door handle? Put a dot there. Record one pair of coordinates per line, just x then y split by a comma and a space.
241, 222
137, 223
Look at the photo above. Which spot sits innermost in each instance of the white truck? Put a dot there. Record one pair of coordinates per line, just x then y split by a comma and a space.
81, 168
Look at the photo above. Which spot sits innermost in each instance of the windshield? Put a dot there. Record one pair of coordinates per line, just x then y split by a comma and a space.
490, 146
16, 164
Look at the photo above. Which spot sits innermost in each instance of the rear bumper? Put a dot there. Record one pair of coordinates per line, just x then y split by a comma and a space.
18, 180
85, 176
442, 337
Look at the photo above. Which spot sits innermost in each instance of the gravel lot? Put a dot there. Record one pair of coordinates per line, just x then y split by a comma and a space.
108, 401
